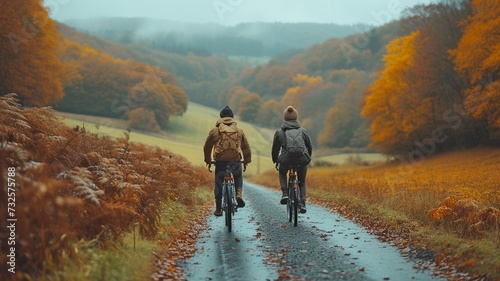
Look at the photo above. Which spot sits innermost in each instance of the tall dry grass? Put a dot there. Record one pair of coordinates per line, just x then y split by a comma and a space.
72, 185
455, 196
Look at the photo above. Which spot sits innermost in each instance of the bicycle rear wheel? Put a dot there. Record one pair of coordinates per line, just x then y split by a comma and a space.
289, 203
229, 208
296, 206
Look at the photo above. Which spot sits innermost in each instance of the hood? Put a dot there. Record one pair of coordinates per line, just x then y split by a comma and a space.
226, 120
291, 124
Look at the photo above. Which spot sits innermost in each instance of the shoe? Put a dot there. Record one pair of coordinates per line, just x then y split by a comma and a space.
284, 198
303, 209
239, 198
218, 209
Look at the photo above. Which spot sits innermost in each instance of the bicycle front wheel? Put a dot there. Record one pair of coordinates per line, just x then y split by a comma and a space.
296, 206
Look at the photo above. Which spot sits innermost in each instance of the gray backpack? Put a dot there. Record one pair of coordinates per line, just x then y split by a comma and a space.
295, 148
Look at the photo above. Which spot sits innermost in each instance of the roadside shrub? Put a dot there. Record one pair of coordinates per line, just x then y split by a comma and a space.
465, 216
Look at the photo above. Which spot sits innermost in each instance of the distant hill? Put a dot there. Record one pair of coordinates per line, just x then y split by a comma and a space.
247, 39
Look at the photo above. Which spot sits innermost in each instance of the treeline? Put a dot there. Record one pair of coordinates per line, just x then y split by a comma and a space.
246, 39
44, 68
440, 85
201, 78
98, 84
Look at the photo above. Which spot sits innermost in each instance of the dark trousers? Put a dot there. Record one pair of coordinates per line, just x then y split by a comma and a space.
220, 171
301, 175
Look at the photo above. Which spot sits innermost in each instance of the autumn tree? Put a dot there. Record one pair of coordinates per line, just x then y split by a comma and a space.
304, 87
233, 97
270, 114
432, 75
343, 123
99, 84
271, 81
28, 52
477, 58
143, 119
249, 107
387, 103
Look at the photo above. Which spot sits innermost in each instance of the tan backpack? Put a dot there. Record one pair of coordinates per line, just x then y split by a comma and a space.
227, 147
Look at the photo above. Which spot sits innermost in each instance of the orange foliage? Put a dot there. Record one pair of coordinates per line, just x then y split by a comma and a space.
477, 58
99, 84
270, 114
28, 52
297, 95
388, 98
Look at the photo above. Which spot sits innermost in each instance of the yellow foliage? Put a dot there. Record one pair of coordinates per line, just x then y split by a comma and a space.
389, 98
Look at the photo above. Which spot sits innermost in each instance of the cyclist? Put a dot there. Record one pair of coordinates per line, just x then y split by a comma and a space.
290, 133
227, 142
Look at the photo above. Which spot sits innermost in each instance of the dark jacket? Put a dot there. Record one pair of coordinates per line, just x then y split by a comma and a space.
279, 141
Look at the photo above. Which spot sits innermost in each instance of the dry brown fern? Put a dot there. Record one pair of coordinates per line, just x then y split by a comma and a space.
72, 186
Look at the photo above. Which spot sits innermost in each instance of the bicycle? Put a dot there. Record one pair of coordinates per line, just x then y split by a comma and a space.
294, 196
293, 202
229, 203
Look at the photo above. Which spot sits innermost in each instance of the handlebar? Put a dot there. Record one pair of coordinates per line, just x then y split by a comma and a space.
214, 162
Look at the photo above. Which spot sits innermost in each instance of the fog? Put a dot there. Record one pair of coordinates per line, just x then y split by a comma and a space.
232, 12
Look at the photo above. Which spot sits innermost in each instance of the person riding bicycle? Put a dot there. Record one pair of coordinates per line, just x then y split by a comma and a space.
227, 142
292, 146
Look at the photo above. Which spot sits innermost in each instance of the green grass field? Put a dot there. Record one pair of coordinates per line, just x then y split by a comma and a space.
185, 135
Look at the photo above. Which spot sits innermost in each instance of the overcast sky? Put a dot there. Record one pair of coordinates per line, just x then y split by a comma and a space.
231, 12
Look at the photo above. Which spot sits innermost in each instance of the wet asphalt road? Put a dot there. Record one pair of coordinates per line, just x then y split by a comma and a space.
265, 246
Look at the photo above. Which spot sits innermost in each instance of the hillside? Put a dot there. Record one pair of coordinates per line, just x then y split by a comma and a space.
246, 39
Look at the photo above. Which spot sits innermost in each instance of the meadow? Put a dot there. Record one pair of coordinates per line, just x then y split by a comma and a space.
448, 203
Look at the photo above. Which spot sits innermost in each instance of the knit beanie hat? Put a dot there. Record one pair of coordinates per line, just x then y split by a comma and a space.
226, 112
290, 113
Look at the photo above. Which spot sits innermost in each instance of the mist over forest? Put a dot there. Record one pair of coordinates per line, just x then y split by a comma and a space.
245, 39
